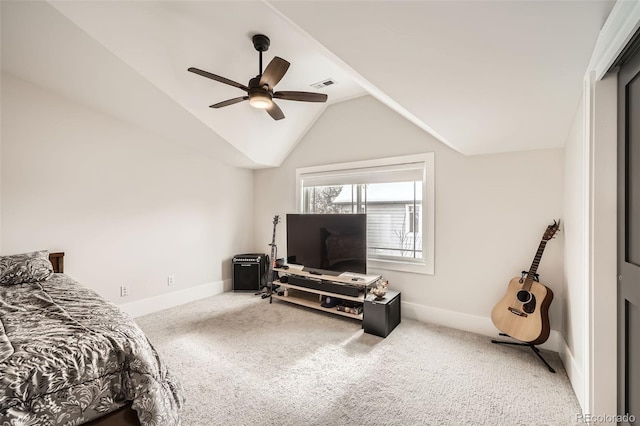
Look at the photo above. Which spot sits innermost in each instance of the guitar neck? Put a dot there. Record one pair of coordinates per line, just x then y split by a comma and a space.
534, 265
273, 254
272, 260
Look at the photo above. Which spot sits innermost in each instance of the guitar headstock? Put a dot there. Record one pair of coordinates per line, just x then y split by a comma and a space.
551, 230
276, 219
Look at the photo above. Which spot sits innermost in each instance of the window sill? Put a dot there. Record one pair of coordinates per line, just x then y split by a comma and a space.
394, 265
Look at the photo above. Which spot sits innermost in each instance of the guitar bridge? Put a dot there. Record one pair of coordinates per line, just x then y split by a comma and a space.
517, 312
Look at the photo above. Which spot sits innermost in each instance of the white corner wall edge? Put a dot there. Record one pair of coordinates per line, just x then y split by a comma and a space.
153, 304
467, 322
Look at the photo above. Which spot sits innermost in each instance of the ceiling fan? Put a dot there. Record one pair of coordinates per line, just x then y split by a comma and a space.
260, 88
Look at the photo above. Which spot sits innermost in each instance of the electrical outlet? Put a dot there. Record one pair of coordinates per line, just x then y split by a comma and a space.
171, 280
124, 291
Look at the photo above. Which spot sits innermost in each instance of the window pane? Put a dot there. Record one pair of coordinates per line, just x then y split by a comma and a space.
329, 199
391, 232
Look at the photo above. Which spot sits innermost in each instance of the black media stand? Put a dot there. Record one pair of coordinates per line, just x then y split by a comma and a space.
531, 345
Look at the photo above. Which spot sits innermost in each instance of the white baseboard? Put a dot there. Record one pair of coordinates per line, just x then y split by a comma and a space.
153, 304
467, 322
574, 372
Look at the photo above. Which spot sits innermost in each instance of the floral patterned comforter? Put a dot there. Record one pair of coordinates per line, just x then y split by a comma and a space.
67, 356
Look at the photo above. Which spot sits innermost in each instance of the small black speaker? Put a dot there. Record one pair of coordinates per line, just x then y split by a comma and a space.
248, 270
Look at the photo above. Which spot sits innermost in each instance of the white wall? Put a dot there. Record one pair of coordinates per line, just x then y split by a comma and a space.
574, 324
491, 211
126, 206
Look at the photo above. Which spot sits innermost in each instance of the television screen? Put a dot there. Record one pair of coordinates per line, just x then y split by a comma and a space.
328, 243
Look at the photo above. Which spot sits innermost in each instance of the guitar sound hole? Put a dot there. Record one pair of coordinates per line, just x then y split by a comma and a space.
523, 296
530, 306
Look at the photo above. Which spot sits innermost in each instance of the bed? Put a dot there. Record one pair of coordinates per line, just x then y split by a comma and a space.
69, 357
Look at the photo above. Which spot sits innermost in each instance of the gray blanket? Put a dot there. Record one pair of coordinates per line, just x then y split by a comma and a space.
68, 356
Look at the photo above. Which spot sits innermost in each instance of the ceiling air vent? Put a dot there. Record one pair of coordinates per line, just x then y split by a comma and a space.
324, 83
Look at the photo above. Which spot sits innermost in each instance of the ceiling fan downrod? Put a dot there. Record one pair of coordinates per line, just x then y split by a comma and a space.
261, 43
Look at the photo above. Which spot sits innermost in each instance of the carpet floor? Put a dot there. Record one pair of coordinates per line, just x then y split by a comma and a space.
243, 361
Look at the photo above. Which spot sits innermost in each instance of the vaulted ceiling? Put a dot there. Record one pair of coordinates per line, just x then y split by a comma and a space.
482, 76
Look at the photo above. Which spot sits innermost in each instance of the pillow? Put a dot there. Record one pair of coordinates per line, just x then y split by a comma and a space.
25, 268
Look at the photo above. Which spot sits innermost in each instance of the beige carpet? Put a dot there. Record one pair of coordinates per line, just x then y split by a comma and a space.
243, 361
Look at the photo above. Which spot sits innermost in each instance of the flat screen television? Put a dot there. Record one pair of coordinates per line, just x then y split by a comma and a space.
328, 243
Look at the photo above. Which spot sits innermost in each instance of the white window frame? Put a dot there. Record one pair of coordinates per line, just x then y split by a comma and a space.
427, 264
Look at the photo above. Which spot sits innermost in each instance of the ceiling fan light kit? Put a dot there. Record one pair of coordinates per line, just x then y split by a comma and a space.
260, 89
260, 100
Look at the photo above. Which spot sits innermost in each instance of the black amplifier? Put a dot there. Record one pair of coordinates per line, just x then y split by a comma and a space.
248, 270
250, 258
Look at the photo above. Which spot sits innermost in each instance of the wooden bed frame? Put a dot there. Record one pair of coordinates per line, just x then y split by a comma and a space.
125, 416
57, 260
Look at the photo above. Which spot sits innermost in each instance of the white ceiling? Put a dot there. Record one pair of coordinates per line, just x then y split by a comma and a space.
483, 76
487, 76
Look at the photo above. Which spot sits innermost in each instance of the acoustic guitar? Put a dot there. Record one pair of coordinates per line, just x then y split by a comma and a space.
523, 312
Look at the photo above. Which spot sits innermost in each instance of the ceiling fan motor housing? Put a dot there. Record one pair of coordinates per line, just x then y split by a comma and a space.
254, 83
261, 42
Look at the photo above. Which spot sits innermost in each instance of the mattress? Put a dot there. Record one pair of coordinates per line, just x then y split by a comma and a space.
68, 356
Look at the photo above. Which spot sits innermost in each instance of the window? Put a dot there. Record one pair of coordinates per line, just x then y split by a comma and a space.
396, 193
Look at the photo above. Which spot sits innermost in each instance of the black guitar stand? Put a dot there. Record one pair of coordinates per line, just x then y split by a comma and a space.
267, 286
264, 286
272, 287
531, 345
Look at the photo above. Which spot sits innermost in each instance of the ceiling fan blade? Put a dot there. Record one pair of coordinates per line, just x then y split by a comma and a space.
301, 96
275, 112
229, 102
274, 72
218, 78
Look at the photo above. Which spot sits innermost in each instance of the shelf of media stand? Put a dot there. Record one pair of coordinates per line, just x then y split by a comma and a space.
308, 299
322, 293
